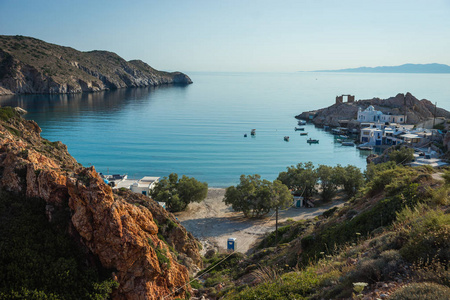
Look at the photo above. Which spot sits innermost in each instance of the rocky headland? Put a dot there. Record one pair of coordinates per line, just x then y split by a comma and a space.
416, 110
32, 66
143, 247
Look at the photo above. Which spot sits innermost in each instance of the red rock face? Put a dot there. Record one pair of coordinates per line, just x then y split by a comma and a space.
123, 236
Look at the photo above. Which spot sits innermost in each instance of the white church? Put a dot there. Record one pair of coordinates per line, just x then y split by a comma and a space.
370, 115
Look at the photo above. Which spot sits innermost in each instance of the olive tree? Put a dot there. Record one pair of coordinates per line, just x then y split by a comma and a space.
178, 193
256, 197
351, 179
301, 179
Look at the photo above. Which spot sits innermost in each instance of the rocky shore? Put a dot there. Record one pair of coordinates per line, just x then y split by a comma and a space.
142, 246
334, 115
32, 66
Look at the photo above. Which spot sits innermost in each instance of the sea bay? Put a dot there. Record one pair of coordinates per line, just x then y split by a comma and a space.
198, 130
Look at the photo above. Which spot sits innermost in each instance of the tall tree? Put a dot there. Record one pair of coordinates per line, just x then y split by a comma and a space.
256, 197
301, 179
178, 193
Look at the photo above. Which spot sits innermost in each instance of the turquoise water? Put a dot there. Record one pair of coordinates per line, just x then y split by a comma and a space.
198, 129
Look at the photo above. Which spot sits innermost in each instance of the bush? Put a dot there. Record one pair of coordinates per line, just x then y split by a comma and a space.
425, 236
422, 291
38, 260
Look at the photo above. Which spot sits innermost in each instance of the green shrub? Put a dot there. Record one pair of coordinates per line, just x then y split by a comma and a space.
422, 291
38, 260
7, 113
425, 235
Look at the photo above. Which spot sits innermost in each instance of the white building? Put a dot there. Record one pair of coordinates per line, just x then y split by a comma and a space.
372, 136
400, 119
370, 114
144, 185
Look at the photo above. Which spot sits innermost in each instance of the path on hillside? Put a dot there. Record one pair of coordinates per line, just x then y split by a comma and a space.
213, 222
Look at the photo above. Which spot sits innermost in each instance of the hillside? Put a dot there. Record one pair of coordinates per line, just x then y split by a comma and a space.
406, 68
390, 241
416, 110
29, 66
59, 222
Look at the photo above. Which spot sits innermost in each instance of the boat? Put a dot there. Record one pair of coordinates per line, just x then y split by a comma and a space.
253, 132
245, 135
365, 148
303, 133
286, 138
301, 122
312, 141
300, 129
348, 144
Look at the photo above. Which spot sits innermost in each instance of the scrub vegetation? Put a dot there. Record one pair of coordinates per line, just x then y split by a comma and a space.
392, 237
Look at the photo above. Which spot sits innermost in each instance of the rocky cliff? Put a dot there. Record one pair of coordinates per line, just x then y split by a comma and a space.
29, 66
119, 231
416, 110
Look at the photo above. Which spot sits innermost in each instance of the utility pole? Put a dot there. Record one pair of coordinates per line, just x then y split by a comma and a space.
434, 119
276, 227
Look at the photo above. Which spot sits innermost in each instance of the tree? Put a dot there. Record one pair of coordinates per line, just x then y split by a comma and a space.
351, 178
256, 197
328, 181
179, 193
301, 179
403, 155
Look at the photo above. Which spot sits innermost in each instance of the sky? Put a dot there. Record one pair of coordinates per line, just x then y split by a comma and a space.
243, 35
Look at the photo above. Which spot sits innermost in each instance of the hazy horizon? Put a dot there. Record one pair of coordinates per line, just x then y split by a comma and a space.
236, 36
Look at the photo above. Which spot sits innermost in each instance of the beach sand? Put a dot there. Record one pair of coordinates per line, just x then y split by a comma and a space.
213, 222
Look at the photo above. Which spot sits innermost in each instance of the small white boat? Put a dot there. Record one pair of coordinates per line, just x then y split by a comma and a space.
253, 132
286, 138
301, 122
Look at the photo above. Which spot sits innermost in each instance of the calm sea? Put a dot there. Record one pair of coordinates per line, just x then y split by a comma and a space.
198, 130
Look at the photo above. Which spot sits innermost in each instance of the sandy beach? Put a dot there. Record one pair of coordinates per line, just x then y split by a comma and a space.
213, 222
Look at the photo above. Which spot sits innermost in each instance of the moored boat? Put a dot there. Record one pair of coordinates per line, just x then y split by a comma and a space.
301, 122
253, 132
348, 144
303, 133
299, 129
286, 138
312, 141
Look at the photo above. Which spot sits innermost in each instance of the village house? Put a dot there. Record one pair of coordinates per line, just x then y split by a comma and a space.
144, 185
370, 114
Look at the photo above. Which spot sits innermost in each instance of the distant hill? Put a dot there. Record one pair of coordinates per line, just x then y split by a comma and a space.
406, 68
29, 65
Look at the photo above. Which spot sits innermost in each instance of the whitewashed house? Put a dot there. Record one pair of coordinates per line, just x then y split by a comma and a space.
372, 136
144, 185
369, 114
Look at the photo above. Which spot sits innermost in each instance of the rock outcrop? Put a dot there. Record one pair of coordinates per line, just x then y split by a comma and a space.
416, 110
29, 66
118, 231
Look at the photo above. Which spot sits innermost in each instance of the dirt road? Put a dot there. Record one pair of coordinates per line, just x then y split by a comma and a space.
213, 222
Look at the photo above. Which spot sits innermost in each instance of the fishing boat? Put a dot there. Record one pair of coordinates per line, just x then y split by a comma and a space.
245, 135
303, 133
348, 144
253, 132
301, 122
312, 141
299, 129
286, 138
365, 148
